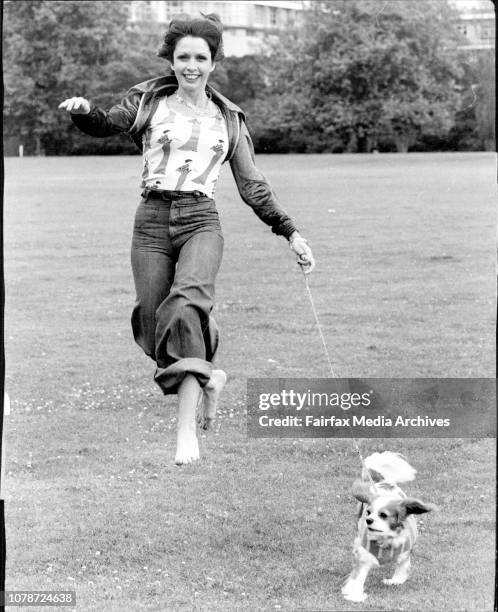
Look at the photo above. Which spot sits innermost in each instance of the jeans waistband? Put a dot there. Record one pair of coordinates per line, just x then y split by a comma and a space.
164, 194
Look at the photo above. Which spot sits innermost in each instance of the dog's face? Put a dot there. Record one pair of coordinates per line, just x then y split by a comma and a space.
386, 514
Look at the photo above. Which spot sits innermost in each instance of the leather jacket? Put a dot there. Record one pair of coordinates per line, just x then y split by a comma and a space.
133, 114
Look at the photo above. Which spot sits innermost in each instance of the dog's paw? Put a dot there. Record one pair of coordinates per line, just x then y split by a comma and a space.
394, 580
353, 594
360, 598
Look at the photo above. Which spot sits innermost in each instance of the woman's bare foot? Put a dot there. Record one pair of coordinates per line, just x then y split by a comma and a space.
210, 395
187, 446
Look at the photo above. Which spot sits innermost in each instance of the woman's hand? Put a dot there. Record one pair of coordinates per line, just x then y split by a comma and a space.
76, 106
304, 255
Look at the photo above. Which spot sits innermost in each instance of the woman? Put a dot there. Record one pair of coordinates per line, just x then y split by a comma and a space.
186, 130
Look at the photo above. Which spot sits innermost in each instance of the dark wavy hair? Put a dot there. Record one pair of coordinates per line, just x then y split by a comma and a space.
209, 28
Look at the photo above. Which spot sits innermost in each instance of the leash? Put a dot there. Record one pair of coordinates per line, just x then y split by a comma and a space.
319, 327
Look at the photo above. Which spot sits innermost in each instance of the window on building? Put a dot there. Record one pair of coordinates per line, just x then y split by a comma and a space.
220, 8
487, 32
173, 8
259, 16
144, 11
237, 13
273, 16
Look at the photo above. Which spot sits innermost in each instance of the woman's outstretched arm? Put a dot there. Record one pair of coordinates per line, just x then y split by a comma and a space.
98, 122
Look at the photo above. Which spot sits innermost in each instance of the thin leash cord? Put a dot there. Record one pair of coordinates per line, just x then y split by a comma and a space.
319, 327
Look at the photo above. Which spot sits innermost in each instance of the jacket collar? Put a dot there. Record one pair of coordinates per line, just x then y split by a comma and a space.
168, 84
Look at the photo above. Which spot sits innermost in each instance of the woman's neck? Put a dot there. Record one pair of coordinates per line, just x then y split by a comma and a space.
199, 98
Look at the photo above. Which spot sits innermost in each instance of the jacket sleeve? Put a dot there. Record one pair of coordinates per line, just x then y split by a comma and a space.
119, 118
255, 190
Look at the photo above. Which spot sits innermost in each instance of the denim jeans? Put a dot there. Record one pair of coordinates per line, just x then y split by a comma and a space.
176, 253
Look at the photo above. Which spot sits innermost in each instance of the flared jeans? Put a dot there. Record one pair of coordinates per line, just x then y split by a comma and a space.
176, 253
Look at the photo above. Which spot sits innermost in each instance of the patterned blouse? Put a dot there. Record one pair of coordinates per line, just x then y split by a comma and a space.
183, 153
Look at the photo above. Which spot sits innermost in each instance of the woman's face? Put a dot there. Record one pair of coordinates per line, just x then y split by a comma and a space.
192, 63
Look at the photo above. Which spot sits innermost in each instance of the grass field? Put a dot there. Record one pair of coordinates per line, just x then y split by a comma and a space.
404, 287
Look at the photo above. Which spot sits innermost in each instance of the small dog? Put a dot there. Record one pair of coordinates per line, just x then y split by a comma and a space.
387, 529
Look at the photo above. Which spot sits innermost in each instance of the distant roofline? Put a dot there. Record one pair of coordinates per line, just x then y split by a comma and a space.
480, 15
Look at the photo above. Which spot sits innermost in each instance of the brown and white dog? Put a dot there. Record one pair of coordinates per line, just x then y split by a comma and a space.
387, 529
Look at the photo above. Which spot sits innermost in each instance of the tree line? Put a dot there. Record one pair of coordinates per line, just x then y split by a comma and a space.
351, 78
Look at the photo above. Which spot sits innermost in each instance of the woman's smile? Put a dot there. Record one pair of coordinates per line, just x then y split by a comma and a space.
192, 65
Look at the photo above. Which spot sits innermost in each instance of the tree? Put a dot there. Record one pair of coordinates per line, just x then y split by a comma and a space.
474, 128
57, 49
361, 75
485, 99
245, 80
53, 50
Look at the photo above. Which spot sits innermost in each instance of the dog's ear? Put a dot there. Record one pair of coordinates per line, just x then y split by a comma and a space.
410, 505
362, 491
376, 476
371, 475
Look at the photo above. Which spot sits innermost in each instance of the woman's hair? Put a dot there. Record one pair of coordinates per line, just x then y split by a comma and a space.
209, 27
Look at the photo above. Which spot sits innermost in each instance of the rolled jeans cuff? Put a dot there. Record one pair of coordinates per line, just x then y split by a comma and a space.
170, 378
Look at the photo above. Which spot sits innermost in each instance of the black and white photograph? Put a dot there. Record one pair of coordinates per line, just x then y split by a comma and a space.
249, 306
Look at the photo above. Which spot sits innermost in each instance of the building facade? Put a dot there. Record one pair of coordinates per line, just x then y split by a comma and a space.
476, 21
479, 30
248, 26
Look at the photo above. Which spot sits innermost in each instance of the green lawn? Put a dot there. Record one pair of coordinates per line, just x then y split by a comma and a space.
404, 287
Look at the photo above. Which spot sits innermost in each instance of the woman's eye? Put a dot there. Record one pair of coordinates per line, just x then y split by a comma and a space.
185, 58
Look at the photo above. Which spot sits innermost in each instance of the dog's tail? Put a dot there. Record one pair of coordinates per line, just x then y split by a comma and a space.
389, 466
